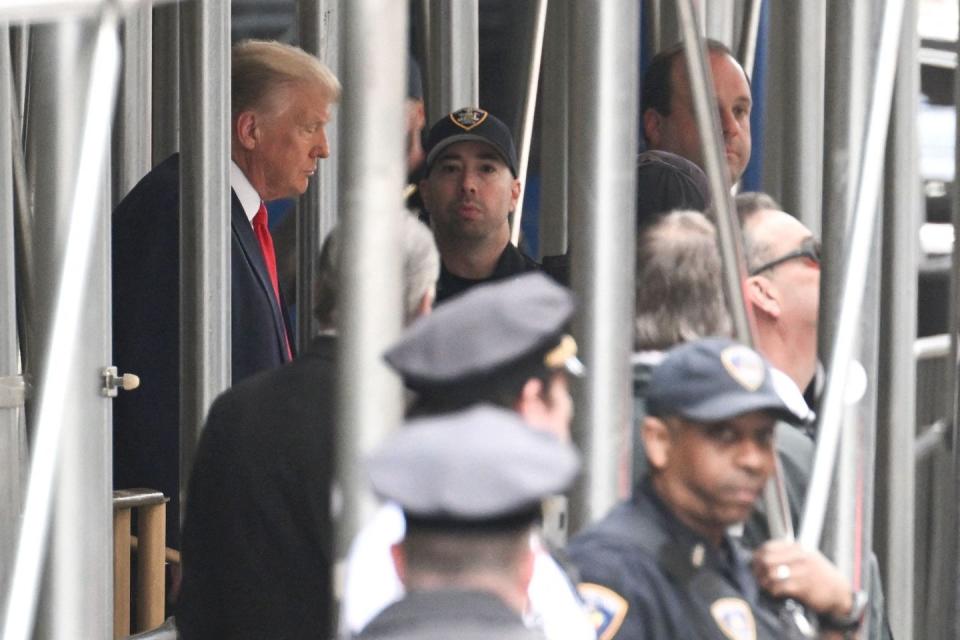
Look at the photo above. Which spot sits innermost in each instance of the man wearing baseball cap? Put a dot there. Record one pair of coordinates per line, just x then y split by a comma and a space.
662, 565
470, 190
470, 485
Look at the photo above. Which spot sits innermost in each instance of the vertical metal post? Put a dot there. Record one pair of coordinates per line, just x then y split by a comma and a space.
849, 403
319, 24
654, 10
70, 468
700, 79
453, 78
165, 63
896, 473
19, 50
420, 43
12, 439
554, 137
848, 412
603, 86
941, 588
372, 177
747, 50
529, 109
132, 137
718, 20
204, 219
793, 156
728, 228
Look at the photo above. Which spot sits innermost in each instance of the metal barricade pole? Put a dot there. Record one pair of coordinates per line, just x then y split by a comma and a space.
70, 468
205, 304
601, 186
453, 66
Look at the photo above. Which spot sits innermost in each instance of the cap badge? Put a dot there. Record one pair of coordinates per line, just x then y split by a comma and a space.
468, 117
744, 366
734, 618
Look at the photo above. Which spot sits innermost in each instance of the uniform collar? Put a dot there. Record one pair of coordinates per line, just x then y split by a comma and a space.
689, 550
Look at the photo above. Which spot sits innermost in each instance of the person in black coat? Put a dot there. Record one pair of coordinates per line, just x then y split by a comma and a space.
257, 544
281, 98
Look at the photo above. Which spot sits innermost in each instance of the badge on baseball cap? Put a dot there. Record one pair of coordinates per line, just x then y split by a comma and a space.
471, 124
715, 379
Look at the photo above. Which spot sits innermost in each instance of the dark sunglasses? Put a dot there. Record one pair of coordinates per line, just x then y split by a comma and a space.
809, 249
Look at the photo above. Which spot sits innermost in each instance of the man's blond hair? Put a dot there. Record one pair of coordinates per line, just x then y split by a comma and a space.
260, 67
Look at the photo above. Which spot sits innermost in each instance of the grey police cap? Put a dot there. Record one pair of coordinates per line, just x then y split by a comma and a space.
488, 329
714, 379
474, 466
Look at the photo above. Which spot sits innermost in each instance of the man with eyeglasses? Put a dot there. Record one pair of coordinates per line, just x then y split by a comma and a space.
783, 285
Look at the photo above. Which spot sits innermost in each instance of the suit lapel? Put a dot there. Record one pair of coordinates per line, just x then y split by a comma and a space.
247, 240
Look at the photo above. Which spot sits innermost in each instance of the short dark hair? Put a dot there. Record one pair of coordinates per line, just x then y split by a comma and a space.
679, 293
657, 91
455, 556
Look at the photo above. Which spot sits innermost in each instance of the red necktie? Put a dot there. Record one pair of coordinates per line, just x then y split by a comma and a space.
262, 232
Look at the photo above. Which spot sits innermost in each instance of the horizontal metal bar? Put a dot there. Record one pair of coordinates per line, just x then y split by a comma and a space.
132, 498
930, 440
49, 10
938, 58
932, 347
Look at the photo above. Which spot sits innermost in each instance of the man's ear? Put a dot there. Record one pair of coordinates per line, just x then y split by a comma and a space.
399, 561
245, 128
656, 441
764, 296
514, 194
652, 121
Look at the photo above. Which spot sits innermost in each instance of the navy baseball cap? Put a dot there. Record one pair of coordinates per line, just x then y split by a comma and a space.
665, 182
715, 379
471, 123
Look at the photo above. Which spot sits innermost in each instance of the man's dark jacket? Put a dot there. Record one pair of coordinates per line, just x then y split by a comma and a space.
256, 538
146, 328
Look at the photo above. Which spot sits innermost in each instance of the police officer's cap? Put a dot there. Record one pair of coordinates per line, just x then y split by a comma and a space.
487, 331
479, 467
471, 123
714, 379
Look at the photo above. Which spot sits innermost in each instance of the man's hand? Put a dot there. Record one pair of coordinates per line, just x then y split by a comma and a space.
785, 569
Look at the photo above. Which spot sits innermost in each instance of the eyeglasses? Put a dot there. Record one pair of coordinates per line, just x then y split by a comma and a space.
809, 249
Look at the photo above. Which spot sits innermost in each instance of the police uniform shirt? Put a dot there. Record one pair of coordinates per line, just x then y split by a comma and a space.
636, 567
372, 584
449, 614
512, 262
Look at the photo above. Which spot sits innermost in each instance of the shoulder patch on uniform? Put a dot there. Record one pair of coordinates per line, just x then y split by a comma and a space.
734, 618
605, 608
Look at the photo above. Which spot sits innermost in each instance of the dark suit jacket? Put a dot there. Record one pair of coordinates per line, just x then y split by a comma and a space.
146, 328
257, 534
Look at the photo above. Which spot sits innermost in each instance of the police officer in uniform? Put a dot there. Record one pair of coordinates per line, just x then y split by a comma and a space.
470, 486
469, 192
662, 564
504, 344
